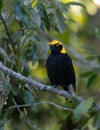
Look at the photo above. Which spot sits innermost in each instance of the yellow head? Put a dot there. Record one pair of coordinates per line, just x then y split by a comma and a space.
54, 42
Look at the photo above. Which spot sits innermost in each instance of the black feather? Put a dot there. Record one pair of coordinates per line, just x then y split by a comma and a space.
60, 68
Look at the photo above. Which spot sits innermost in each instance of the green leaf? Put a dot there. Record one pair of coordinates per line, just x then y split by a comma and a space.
96, 121
4, 113
76, 3
7, 88
27, 2
1, 4
44, 17
4, 54
25, 70
89, 50
21, 13
96, 69
36, 17
17, 36
60, 21
83, 108
29, 99
91, 80
86, 74
33, 56
91, 57
98, 58
97, 32
34, 3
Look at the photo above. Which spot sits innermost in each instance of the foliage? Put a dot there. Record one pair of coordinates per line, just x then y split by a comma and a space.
25, 28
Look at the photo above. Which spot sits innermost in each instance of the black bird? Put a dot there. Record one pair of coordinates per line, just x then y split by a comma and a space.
59, 67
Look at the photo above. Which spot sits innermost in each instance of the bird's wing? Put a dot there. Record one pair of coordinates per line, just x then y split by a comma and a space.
69, 66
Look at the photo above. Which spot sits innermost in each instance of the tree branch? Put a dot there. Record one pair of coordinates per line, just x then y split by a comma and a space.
55, 105
42, 86
40, 103
35, 83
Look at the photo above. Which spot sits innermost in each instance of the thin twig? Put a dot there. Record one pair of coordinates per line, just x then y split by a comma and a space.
42, 103
55, 105
4, 23
19, 106
16, 105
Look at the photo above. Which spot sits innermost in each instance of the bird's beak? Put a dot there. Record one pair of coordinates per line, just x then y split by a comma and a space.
49, 43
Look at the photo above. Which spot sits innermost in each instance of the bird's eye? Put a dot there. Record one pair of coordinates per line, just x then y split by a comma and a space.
57, 44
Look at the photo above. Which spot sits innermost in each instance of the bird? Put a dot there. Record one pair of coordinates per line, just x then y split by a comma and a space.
59, 67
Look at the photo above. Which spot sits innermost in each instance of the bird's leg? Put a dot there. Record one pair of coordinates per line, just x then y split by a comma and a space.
70, 94
68, 90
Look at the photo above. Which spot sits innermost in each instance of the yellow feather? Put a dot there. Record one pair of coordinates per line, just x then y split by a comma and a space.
55, 42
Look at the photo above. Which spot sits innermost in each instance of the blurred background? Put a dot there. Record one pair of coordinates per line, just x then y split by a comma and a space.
26, 27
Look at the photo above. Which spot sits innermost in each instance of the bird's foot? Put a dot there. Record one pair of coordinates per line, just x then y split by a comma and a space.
54, 86
69, 94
